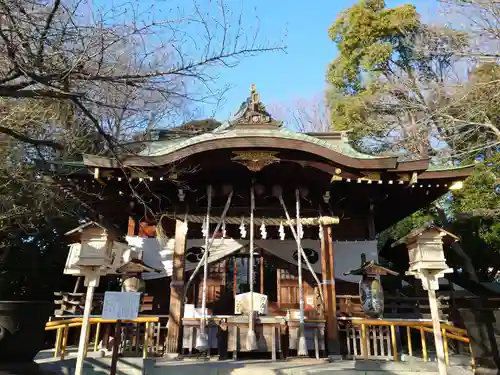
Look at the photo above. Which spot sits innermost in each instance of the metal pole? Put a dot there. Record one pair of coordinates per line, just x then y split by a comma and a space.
304, 258
251, 337
302, 348
202, 261
252, 208
92, 281
77, 284
116, 346
202, 335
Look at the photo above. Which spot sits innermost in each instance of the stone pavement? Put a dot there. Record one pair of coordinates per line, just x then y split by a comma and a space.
300, 367
135, 366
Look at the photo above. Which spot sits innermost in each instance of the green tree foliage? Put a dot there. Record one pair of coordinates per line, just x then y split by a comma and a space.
33, 267
368, 35
387, 78
475, 218
403, 227
392, 86
479, 202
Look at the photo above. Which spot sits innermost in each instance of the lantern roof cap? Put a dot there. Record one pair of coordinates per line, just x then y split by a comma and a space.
371, 267
136, 266
88, 224
425, 228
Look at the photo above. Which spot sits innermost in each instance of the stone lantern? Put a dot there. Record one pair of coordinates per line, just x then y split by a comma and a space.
131, 273
93, 256
428, 263
96, 245
370, 287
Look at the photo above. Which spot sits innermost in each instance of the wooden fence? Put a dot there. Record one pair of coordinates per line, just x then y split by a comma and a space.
394, 307
139, 337
72, 304
385, 339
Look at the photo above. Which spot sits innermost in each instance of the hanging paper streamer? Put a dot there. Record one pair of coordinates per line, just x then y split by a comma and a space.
263, 233
224, 229
243, 231
320, 233
372, 297
204, 229
281, 231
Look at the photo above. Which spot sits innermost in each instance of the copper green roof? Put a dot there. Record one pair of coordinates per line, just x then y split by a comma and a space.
254, 128
341, 146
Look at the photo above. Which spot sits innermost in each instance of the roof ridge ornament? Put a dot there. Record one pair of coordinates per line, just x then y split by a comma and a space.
254, 97
252, 113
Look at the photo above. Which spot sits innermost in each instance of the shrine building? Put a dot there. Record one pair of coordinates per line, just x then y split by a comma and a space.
309, 194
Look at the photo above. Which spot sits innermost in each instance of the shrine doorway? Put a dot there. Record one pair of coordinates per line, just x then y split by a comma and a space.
265, 275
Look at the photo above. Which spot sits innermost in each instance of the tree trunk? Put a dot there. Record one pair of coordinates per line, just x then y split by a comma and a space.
456, 247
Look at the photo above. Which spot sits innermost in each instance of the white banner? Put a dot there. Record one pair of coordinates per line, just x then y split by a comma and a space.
347, 253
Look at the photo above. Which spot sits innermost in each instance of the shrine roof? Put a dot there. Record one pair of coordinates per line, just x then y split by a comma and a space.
254, 128
225, 131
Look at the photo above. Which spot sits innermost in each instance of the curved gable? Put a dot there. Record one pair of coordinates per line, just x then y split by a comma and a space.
337, 152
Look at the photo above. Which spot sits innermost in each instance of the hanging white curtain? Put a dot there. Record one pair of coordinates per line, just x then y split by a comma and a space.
347, 253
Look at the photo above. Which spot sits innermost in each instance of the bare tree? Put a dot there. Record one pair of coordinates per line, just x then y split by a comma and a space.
303, 114
74, 78
481, 20
470, 119
80, 58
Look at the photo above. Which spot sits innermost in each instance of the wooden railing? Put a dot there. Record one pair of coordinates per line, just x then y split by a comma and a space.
401, 307
385, 339
139, 337
362, 338
73, 303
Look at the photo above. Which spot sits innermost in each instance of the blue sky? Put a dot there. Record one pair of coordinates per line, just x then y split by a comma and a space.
300, 72
280, 77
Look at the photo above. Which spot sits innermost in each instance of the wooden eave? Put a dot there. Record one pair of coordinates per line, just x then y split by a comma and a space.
411, 166
460, 172
241, 142
390, 165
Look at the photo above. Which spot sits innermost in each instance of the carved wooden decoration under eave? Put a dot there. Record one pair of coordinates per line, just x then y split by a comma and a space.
373, 176
255, 160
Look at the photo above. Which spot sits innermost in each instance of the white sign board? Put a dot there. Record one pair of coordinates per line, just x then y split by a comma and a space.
121, 305
242, 303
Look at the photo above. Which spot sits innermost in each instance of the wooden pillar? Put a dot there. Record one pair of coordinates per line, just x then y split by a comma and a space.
328, 275
132, 226
176, 290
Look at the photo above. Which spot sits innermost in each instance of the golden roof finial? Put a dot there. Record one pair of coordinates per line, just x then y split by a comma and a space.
254, 97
